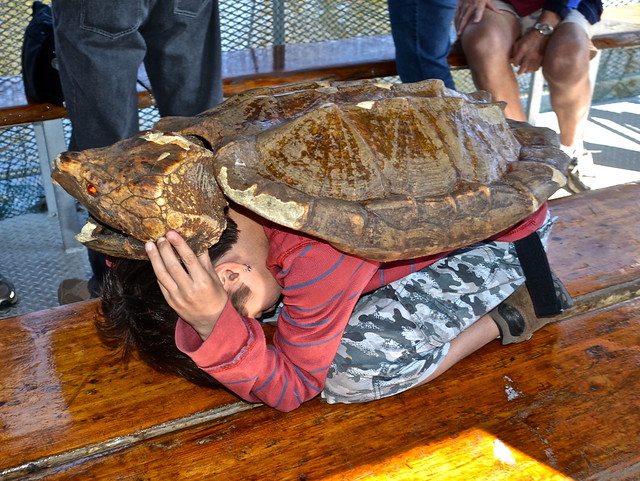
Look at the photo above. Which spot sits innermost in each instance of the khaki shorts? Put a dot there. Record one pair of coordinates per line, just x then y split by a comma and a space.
526, 23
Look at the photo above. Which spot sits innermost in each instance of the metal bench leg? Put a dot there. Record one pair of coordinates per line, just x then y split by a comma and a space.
50, 140
593, 70
535, 97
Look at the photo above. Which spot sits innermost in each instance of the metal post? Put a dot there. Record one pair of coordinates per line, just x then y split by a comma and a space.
51, 141
534, 100
278, 22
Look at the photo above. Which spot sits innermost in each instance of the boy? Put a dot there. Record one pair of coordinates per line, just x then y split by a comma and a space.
416, 333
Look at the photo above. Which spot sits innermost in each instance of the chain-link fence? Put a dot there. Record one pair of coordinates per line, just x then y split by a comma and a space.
248, 24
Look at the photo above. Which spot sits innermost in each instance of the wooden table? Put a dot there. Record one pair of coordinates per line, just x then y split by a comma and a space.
563, 405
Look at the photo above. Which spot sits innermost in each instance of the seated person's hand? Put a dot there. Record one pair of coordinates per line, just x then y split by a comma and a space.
191, 287
471, 10
528, 52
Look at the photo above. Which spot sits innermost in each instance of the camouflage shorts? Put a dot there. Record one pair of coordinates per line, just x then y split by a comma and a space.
399, 334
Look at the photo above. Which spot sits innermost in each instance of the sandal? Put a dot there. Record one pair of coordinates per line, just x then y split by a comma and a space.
562, 294
516, 318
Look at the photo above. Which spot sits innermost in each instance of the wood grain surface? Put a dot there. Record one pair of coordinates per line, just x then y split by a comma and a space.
563, 404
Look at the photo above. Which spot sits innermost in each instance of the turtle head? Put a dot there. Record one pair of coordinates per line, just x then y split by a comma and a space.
141, 187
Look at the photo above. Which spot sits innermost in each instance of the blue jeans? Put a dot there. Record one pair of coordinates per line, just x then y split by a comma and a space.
100, 46
421, 34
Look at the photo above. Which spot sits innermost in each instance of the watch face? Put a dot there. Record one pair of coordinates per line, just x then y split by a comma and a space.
543, 28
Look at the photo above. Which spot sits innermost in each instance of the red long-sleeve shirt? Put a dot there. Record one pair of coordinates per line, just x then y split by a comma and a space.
320, 287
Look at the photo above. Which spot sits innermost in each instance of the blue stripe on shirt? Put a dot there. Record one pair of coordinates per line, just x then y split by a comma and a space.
304, 251
311, 324
312, 344
321, 369
304, 379
273, 373
322, 276
284, 390
295, 393
243, 380
317, 307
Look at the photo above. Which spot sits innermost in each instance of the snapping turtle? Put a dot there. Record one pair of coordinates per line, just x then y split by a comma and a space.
384, 171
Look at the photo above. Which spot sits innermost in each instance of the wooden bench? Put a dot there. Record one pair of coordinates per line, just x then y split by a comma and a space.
346, 59
561, 406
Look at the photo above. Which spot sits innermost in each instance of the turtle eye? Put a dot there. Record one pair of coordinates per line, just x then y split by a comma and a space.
92, 189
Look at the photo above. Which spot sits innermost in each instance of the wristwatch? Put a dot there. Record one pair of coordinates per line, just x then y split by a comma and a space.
543, 29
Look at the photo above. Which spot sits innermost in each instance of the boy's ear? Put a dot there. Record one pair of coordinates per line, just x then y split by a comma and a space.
230, 274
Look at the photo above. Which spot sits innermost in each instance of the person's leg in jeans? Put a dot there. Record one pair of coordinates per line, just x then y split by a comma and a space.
99, 51
421, 34
183, 56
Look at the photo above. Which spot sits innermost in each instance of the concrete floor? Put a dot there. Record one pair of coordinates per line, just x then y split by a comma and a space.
32, 256
612, 135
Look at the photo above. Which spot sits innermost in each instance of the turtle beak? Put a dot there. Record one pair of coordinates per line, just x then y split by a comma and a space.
102, 238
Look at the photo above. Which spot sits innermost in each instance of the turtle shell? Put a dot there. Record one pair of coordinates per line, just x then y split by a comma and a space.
383, 171
401, 172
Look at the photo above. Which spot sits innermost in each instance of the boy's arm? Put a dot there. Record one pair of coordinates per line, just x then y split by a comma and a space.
320, 287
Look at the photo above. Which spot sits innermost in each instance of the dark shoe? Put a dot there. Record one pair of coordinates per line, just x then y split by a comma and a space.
8, 296
73, 290
516, 318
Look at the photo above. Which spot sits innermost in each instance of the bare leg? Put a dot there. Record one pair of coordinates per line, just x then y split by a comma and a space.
566, 69
480, 333
487, 46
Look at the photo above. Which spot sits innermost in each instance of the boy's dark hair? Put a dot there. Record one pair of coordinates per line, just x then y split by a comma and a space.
137, 319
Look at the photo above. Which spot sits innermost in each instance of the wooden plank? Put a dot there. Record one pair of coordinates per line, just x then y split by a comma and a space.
562, 406
25, 112
63, 388
595, 244
617, 33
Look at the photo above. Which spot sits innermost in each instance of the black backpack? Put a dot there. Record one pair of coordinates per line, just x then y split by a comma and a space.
39, 72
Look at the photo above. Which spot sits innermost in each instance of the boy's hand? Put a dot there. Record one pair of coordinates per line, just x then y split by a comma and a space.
191, 287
